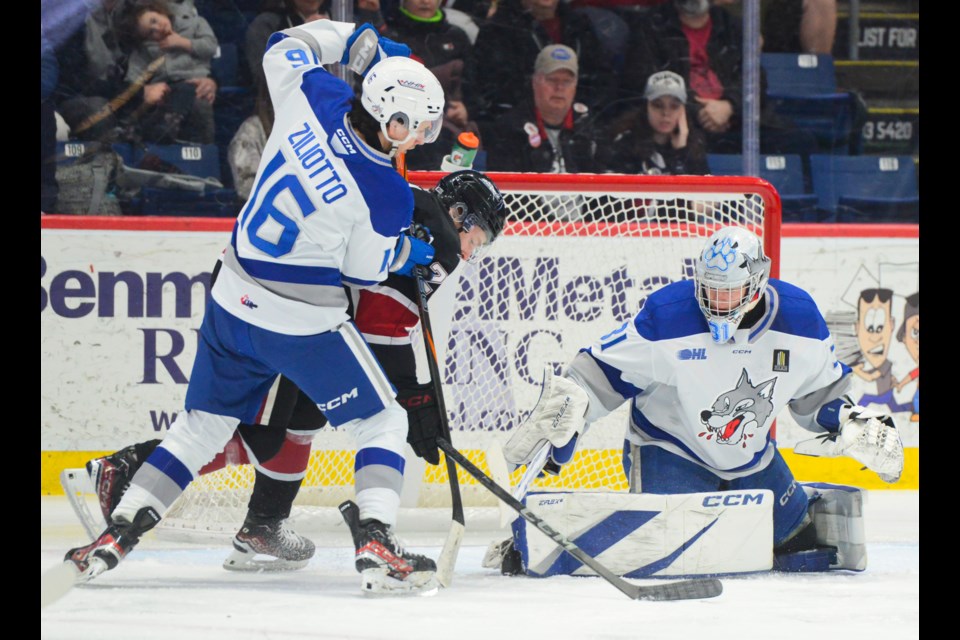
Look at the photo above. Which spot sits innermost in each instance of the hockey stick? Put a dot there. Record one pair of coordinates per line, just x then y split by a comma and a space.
56, 582
679, 590
451, 548
534, 467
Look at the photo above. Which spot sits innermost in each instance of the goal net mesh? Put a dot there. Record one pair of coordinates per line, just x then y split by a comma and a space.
576, 260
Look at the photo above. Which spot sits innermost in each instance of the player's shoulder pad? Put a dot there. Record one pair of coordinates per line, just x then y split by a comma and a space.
670, 312
797, 314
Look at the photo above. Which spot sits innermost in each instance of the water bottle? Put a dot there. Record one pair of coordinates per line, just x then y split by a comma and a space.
463, 152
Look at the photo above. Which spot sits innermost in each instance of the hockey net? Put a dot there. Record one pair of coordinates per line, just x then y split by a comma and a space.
578, 257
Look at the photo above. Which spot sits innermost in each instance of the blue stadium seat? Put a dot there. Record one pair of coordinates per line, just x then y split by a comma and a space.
225, 65
866, 188
803, 88
784, 172
201, 160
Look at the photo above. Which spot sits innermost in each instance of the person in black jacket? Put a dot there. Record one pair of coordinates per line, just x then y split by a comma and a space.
656, 138
501, 64
703, 43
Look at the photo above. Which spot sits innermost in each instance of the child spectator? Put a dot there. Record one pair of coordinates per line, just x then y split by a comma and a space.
176, 44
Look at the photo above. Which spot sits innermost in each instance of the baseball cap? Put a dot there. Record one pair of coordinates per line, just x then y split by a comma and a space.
555, 57
666, 83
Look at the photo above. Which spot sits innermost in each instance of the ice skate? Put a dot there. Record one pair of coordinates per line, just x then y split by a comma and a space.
268, 545
112, 546
111, 474
387, 569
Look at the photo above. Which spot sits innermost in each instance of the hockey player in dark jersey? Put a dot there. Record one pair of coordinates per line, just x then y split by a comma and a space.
464, 213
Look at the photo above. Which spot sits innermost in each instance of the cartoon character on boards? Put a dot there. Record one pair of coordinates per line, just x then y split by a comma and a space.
738, 412
874, 334
909, 335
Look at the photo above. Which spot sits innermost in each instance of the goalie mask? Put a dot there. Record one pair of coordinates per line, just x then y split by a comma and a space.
399, 89
477, 202
731, 276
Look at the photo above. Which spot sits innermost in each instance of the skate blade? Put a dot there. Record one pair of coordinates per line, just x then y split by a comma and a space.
253, 563
376, 583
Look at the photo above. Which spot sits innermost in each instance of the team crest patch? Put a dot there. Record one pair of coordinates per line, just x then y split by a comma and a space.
781, 360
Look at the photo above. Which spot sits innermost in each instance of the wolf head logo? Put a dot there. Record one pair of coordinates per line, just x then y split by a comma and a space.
736, 413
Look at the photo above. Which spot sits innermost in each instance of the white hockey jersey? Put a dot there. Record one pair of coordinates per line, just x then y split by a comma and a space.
326, 209
714, 404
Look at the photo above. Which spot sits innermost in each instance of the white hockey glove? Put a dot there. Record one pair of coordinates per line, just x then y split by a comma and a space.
558, 419
366, 47
867, 436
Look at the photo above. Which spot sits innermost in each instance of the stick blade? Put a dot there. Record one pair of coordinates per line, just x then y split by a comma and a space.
699, 589
448, 556
56, 583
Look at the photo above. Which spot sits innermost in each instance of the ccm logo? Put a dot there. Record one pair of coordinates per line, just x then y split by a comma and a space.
336, 402
733, 500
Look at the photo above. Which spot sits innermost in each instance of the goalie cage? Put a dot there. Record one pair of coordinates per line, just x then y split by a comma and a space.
577, 258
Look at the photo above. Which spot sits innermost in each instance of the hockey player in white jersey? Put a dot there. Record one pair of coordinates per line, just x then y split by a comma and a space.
707, 365
327, 208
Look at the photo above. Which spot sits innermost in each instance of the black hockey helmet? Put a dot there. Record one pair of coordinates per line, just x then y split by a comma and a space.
477, 198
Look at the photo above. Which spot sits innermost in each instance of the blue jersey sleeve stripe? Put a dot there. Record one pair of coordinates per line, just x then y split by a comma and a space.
295, 274
613, 376
170, 466
358, 281
375, 455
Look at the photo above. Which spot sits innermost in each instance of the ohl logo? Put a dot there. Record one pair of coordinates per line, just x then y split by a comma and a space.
692, 354
247, 302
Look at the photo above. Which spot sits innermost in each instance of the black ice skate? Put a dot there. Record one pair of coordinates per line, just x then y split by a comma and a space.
111, 475
386, 568
268, 545
112, 546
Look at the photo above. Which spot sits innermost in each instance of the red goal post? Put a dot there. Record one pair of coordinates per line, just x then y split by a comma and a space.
576, 259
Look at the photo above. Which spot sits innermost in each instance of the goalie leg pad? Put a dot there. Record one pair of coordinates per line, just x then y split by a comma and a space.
837, 514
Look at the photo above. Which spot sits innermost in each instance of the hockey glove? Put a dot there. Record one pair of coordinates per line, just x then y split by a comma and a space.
412, 250
424, 421
557, 418
869, 437
366, 47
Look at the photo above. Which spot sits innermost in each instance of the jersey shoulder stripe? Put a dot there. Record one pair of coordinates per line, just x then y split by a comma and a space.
671, 312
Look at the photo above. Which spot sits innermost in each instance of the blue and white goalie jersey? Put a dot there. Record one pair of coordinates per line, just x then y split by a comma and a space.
714, 404
326, 209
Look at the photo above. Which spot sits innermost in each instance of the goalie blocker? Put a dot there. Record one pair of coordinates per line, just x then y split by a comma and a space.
689, 535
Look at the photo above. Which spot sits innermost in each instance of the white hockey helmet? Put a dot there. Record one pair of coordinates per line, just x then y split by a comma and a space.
403, 90
731, 276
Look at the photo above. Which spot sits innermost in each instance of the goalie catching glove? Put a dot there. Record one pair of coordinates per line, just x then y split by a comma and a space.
424, 421
366, 47
558, 419
869, 437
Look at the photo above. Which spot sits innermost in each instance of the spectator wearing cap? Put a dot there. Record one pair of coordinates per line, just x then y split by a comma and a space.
703, 43
501, 62
656, 138
547, 132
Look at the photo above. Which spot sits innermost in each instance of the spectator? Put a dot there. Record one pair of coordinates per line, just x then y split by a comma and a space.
656, 139
172, 45
443, 48
703, 43
246, 146
92, 75
794, 26
547, 132
501, 64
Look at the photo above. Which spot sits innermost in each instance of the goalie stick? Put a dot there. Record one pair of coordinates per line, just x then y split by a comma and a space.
451, 548
680, 590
